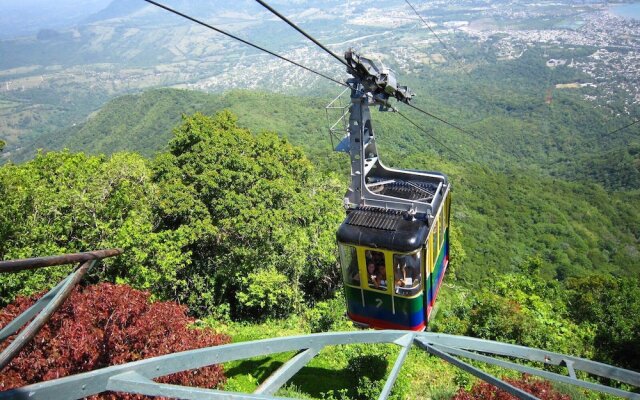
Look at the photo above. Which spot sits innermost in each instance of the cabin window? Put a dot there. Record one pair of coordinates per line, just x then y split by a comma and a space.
436, 232
406, 274
436, 239
349, 261
447, 209
442, 229
376, 269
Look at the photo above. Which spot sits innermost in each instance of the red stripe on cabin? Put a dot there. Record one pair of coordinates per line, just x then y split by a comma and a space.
380, 324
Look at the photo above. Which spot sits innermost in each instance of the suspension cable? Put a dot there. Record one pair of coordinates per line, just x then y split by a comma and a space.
427, 25
431, 136
454, 54
624, 127
344, 62
294, 26
295, 63
607, 134
243, 41
473, 135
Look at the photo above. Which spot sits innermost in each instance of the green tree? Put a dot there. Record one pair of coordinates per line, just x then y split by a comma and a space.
612, 306
521, 308
266, 293
62, 202
219, 206
244, 203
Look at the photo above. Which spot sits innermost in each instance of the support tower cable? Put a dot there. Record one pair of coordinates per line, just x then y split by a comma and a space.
458, 156
350, 67
160, 5
624, 127
432, 31
607, 134
255, 46
444, 121
294, 26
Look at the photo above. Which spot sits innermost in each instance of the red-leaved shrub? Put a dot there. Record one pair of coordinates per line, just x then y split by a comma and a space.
485, 391
104, 325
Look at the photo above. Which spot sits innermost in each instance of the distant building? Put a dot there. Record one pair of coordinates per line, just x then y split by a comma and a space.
552, 63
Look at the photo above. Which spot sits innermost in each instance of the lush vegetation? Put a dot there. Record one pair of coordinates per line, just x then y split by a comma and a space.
252, 214
500, 104
485, 391
575, 229
212, 214
102, 325
65, 202
225, 215
240, 228
592, 317
609, 307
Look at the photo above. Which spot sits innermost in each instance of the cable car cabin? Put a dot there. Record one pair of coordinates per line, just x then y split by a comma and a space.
393, 264
394, 243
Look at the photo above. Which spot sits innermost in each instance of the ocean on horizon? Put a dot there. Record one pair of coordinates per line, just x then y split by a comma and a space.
627, 10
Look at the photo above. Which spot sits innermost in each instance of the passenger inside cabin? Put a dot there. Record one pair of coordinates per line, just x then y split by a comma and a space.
378, 259
368, 257
376, 269
372, 275
399, 274
382, 277
416, 277
407, 278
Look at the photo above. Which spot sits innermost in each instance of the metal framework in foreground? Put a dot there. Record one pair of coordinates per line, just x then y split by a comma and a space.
44, 308
137, 377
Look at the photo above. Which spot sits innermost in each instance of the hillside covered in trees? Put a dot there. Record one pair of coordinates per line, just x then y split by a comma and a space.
226, 203
240, 226
501, 106
508, 207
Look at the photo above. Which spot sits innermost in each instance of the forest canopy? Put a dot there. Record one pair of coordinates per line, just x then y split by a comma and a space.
240, 226
221, 206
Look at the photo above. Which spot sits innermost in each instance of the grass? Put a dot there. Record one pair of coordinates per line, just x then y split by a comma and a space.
337, 372
356, 371
427, 377
331, 370
246, 375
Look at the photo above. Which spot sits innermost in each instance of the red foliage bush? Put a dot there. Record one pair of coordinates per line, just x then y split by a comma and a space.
104, 325
485, 391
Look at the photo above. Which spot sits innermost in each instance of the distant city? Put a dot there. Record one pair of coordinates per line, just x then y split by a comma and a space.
55, 78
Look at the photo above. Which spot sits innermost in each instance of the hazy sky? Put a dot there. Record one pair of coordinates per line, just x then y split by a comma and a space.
27, 17
50, 5
23, 17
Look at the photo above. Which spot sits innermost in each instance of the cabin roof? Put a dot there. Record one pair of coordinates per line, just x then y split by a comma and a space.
385, 229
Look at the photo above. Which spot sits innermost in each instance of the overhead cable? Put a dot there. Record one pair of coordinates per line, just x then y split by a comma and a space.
431, 136
624, 127
345, 63
434, 34
294, 26
592, 140
243, 41
443, 121
293, 62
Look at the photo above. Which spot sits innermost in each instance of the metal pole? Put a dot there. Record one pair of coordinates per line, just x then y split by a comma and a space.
22, 319
49, 261
34, 327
